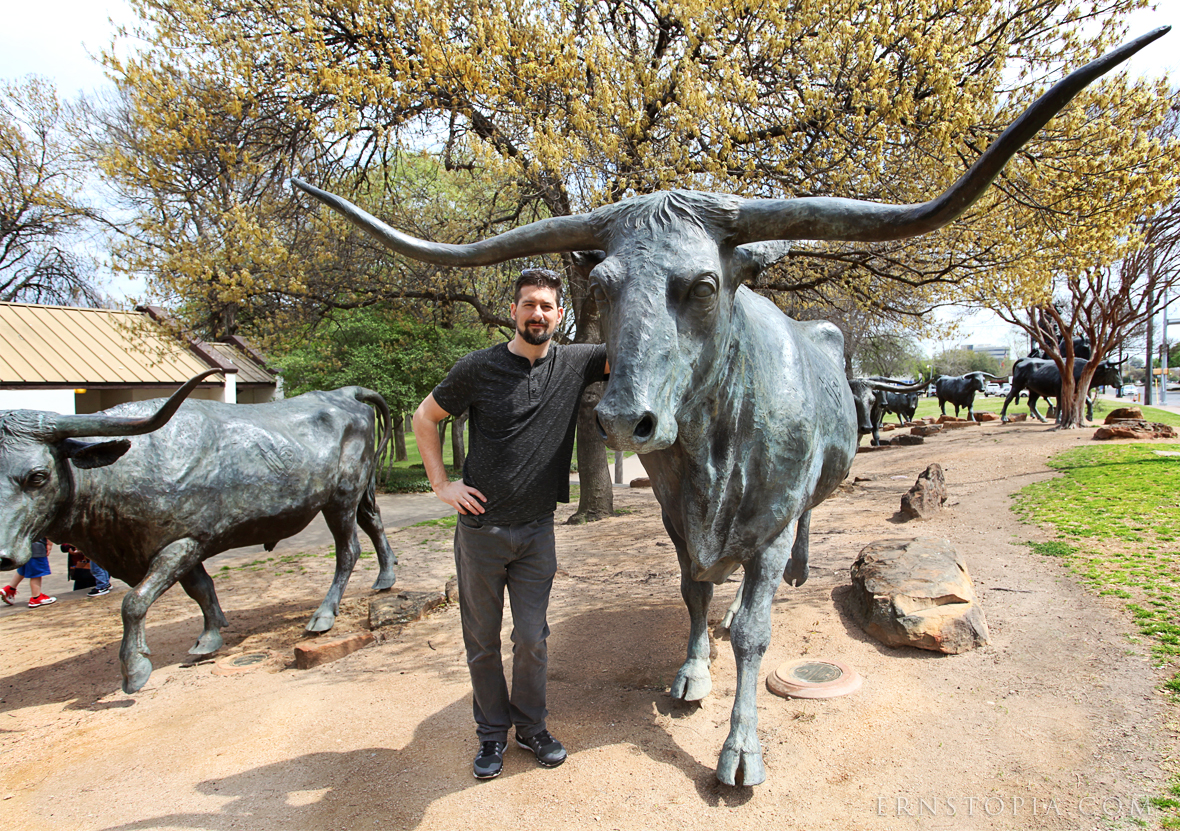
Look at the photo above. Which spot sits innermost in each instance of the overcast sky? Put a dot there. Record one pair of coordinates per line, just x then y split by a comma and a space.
57, 39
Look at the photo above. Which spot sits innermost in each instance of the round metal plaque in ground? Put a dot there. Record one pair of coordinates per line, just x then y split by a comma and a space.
244, 662
813, 678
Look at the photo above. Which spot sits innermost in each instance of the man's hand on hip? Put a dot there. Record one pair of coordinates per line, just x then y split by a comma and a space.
462, 497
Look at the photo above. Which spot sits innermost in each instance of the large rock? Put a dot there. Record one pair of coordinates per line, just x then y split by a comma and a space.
925, 498
917, 593
1135, 429
1124, 414
926, 429
905, 440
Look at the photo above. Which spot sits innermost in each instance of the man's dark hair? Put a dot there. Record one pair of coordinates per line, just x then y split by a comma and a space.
537, 277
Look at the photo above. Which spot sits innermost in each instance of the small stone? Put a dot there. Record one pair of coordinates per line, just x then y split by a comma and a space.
452, 590
308, 655
926, 429
402, 608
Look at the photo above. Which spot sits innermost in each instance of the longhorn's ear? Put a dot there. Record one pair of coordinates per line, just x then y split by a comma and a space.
87, 455
759, 256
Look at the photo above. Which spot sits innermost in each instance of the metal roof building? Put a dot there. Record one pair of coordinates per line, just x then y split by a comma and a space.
76, 360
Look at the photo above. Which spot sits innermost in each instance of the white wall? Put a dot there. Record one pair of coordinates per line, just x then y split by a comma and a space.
56, 401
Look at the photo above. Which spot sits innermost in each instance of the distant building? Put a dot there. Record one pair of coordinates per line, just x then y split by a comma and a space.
1000, 353
73, 360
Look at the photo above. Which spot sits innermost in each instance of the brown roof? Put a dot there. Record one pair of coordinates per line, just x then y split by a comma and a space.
249, 371
66, 346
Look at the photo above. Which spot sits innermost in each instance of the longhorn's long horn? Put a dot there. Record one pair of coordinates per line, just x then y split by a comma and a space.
545, 236
893, 387
854, 220
97, 424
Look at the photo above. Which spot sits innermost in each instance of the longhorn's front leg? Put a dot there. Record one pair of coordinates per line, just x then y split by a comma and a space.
693, 681
169, 565
741, 756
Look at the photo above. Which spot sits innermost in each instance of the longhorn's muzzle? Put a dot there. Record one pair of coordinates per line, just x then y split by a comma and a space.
636, 427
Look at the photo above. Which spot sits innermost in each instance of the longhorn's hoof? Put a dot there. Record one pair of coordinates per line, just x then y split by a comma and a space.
209, 642
740, 767
136, 672
321, 621
693, 681
796, 574
385, 581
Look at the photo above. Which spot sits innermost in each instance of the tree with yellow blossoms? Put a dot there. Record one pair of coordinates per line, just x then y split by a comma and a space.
580, 103
575, 103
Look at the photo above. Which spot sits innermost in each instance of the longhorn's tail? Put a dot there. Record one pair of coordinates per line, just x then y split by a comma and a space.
384, 420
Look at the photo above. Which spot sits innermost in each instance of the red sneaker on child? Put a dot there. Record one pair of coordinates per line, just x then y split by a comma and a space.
41, 600
8, 594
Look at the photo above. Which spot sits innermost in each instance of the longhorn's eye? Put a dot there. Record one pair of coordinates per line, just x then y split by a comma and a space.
703, 289
36, 479
599, 295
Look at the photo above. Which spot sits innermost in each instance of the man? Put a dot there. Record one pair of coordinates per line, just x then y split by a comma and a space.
523, 400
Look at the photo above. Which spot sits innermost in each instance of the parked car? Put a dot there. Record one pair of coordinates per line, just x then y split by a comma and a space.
992, 388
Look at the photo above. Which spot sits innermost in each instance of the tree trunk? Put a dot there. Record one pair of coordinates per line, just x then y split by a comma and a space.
457, 451
399, 439
596, 499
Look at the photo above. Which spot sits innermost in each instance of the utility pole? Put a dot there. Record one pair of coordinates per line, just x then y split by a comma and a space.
1164, 352
1150, 378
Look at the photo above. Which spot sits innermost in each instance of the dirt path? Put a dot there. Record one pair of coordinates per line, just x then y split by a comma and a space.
1052, 724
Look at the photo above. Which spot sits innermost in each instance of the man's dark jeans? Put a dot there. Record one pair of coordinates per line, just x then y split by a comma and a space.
523, 558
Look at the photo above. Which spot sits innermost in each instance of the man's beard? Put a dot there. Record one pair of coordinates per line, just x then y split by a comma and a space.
537, 338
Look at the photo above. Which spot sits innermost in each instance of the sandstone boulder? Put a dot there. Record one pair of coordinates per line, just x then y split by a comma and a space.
925, 498
986, 417
950, 419
917, 593
906, 440
641, 482
1135, 429
1124, 414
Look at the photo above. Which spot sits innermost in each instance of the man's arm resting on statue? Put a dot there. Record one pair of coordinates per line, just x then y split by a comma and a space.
458, 494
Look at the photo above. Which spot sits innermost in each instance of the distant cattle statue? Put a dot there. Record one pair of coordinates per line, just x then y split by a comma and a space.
902, 404
741, 415
203, 477
1042, 379
870, 398
960, 391
1081, 349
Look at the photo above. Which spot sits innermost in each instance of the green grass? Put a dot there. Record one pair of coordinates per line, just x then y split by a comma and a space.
1115, 512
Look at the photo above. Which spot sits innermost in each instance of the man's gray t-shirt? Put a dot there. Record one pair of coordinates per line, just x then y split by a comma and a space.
522, 424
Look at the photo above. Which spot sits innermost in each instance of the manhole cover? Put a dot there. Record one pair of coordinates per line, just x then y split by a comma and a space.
813, 678
249, 659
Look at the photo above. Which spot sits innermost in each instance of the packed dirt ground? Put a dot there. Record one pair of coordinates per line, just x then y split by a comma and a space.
1056, 724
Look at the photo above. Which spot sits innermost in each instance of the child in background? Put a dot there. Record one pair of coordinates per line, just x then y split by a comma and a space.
36, 568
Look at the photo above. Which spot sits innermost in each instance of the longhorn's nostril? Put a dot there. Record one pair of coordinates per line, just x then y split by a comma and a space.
645, 427
601, 429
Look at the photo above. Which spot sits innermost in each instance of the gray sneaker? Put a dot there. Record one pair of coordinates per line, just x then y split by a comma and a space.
490, 761
547, 749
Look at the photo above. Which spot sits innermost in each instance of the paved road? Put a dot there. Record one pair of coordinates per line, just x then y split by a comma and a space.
397, 510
